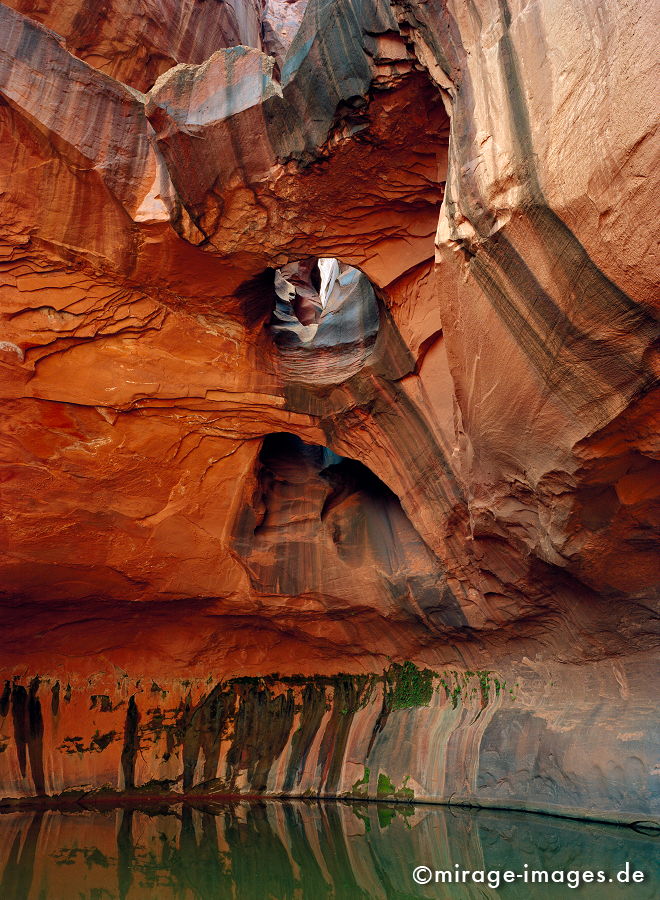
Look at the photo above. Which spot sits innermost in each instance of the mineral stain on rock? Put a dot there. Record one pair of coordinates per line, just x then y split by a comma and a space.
29, 732
131, 744
348, 693
313, 707
204, 727
261, 729
19, 701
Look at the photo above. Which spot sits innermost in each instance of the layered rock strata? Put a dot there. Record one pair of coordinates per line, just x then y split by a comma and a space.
458, 469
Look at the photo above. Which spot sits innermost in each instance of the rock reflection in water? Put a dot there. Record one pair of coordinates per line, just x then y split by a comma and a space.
285, 850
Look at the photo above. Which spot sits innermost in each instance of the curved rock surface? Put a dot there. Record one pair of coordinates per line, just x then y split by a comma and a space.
135, 41
463, 475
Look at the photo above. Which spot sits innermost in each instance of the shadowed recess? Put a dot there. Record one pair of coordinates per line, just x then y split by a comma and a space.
318, 523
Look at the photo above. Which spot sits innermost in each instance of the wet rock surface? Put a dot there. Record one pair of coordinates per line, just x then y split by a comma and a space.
451, 459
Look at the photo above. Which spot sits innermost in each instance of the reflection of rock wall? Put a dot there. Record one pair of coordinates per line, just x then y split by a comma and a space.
483, 170
267, 849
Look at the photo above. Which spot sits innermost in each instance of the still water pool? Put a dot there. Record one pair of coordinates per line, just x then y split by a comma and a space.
301, 850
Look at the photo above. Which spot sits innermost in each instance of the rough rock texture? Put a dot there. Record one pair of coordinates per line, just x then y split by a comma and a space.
410, 734
137, 40
281, 21
472, 484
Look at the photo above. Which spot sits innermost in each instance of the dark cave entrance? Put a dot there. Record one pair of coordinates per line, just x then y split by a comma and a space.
317, 524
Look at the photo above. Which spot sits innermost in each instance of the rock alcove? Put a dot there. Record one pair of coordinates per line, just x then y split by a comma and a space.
317, 524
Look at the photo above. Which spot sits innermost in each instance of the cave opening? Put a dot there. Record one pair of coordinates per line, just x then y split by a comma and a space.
315, 524
322, 516
320, 304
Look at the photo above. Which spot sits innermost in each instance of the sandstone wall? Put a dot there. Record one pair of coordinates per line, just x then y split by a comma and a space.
550, 740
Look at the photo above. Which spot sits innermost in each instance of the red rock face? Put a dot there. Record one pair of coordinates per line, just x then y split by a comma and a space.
453, 464
137, 41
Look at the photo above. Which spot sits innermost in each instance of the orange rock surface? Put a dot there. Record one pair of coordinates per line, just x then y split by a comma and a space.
458, 467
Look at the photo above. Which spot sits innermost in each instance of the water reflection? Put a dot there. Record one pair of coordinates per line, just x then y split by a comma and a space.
296, 850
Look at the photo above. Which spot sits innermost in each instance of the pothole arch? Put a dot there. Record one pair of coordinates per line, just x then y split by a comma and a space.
325, 318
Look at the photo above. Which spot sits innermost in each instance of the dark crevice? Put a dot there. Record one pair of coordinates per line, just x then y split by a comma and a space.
4, 699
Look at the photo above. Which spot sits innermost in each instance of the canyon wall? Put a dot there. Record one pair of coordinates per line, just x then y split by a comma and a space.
556, 739
227, 552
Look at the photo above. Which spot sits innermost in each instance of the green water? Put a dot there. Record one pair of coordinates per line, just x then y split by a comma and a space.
310, 850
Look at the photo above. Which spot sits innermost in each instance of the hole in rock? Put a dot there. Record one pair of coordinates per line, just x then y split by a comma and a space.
325, 314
